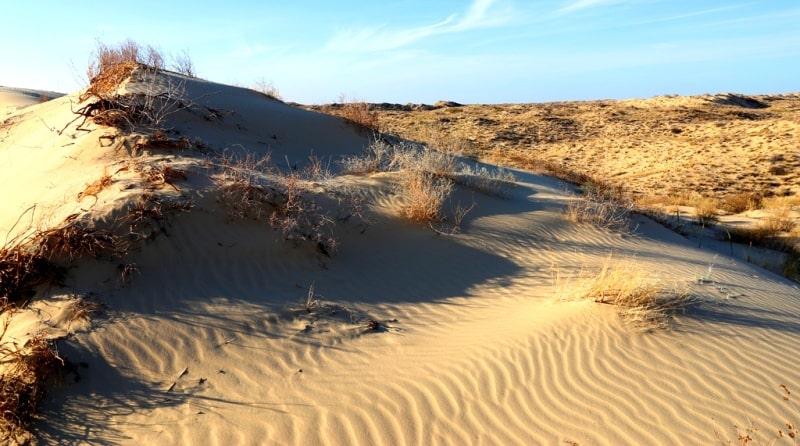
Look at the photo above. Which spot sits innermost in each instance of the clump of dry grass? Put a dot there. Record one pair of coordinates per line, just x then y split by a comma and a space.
424, 193
427, 177
267, 89
114, 65
42, 256
706, 211
741, 201
21, 272
641, 297
610, 214
147, 217
256, 189
98, 186
359, 113
25, 372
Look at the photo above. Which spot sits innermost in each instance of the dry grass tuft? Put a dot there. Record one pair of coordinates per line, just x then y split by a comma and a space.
22, 271
111, 68
98, 186
597, 209
642, 298
706, 211
26, 371
424, 193
741, 201
256, 189
41, 257
148, 216
359, 113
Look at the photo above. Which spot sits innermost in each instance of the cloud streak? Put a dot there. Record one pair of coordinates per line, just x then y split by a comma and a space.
577, 5
481, 14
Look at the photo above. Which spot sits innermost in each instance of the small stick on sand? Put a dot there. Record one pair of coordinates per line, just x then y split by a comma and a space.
185, 371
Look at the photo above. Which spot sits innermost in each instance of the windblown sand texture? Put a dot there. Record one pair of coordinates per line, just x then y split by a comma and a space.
227, 334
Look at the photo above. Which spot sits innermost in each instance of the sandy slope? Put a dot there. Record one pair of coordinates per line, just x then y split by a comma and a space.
211, 344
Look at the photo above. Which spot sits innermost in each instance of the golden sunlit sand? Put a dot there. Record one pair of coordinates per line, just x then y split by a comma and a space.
213, 295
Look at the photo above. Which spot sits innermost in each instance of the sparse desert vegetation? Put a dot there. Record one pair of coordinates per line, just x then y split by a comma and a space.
207, 221
717, 154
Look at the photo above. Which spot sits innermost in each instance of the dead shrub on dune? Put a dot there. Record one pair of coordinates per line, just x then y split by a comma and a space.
98, 186
424, 194
147, 107
22, 272
41, 257
600, 210
26, 371
148, 216
359, 113
741, 202
256, 189
642, 298
706, 211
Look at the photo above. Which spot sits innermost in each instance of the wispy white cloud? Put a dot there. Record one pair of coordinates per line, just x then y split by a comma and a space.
481, 14
577, 5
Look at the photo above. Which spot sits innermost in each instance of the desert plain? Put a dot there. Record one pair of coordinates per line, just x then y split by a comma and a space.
226, 268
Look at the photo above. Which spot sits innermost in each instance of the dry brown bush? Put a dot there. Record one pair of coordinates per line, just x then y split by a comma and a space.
424, 194
98, 186
111, 68
255, 189
641, 297
25, 373
741, 202
359, 113
610, 214
706, 211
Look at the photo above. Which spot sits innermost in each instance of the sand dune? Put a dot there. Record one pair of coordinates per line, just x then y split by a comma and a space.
211, 341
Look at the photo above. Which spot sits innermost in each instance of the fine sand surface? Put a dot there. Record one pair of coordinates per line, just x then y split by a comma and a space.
476, 341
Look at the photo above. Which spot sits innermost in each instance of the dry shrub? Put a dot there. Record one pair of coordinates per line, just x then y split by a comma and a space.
98, 186
641, 298
42, 256
379, 156
426, 176
741, 202
255, 189
111, 67
267, 89
72, 240
239, 188
183, 64
759, 235
147, 217
359, 113
424, 193
156, 176
781, 222
27, 371
498, 182
611, 214
706, 211
21, 272
781, 203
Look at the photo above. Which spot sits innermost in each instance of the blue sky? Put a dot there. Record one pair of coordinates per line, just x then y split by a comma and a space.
479, 51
